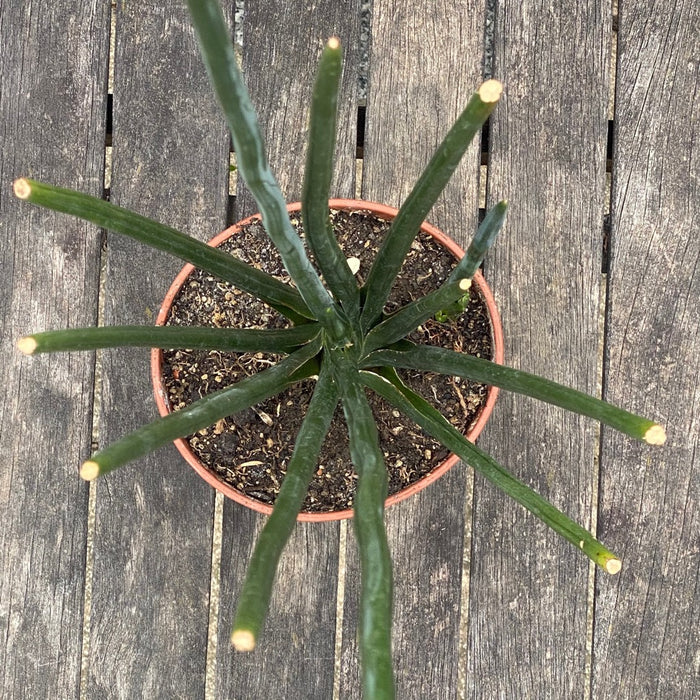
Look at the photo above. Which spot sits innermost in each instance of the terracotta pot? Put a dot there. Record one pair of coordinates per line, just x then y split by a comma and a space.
383, 212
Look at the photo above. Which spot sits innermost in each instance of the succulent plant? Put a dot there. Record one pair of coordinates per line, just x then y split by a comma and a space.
337, 334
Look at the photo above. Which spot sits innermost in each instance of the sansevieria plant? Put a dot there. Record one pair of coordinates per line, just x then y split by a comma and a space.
337, 334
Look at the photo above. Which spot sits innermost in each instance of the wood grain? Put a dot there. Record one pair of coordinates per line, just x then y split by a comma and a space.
51, 127
527, 607
154, 517
281, 45
413, 100
282, 42
647, 626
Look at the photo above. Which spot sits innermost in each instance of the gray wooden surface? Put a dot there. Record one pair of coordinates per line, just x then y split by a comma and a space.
53, 75
489, 604
547, 157
150, 612
647, 629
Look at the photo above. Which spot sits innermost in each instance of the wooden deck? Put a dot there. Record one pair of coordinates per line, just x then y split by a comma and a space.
123, 590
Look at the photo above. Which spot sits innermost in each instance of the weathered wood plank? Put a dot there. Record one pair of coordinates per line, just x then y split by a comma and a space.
295, 653
52, 127
424, 66
281, 44
527, 607
647, 625
154, 518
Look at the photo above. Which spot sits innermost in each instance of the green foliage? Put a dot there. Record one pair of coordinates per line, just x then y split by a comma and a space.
338, 335
255, 596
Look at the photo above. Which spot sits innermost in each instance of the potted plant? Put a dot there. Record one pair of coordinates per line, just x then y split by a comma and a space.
337, 336
245, 464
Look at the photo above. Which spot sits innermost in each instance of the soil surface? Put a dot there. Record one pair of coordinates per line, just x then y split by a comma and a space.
250, 450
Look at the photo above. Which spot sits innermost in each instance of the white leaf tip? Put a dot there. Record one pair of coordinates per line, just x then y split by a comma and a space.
22, 188
27, 345
656, 435
490, 91
89, 470
354, 265
613, 566
243, 640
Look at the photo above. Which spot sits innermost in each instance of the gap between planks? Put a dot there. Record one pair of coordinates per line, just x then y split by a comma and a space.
97, 380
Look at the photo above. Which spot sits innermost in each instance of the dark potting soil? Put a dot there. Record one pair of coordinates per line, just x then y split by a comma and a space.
251, 450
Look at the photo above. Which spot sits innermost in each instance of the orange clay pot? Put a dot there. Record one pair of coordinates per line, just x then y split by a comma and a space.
477, 426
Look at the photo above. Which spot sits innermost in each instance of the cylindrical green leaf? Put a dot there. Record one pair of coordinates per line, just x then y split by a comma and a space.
434, 423
409, 317
318, 174
430, 185
193, 337
225, 76
400, 324
434, 359
198, 415
254, 599
482, 241
368, 521
107, 215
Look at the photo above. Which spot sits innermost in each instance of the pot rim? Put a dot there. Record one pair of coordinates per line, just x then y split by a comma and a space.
385, 212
